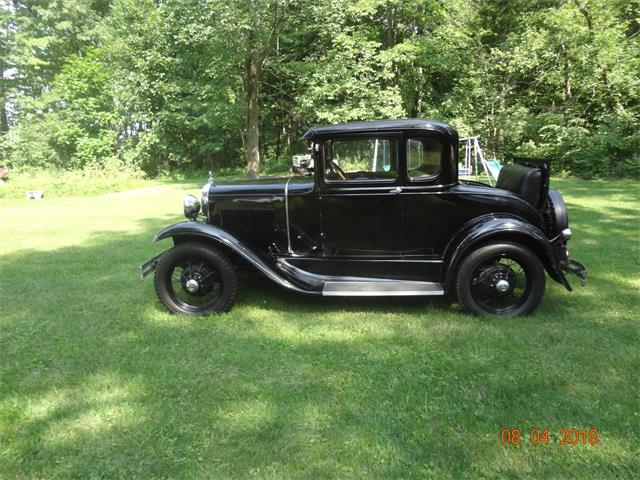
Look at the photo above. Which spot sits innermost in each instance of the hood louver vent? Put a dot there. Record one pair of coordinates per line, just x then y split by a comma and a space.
252, 222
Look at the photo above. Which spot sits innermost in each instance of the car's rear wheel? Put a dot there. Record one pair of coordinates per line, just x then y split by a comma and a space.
503, 279
194, 279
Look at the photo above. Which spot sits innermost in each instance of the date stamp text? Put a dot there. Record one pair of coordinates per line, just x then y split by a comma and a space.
542, 436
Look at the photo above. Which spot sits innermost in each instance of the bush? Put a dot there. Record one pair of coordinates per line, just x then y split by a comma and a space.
6, 150
611, 149
94, 179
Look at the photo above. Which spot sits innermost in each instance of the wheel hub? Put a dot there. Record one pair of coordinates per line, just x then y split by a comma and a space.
198, 280
192, 285
499, 278
502, 286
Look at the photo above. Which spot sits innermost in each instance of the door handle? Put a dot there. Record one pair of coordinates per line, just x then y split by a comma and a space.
396, 190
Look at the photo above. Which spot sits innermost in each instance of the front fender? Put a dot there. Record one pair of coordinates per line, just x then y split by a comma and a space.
499, 228
216, 235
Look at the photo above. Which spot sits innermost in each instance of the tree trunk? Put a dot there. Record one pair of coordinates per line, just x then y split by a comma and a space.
417, 99
4, 121
566, 90
279, 139
503, 110
252, 150
584, 10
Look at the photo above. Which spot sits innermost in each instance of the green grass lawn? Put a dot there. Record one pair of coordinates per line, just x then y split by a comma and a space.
97, 381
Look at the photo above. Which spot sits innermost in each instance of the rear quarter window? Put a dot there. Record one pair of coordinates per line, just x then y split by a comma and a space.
424, 157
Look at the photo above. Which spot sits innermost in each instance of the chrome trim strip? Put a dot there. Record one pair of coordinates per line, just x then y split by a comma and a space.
380, 289
407, 293
286, 211
362, 258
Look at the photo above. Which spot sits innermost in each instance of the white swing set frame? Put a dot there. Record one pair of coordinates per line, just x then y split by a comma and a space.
472, 153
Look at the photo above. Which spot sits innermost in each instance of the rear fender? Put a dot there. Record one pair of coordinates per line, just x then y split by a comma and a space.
494, 229
199, 231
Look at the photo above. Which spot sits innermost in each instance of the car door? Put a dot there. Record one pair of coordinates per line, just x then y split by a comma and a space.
359, 195
431, 213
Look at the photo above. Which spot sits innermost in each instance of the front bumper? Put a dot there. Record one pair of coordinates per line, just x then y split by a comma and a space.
149, 266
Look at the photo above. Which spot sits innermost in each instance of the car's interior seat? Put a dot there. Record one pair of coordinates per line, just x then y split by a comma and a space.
521, 180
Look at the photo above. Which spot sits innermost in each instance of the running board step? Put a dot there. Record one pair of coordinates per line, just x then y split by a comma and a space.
380, 288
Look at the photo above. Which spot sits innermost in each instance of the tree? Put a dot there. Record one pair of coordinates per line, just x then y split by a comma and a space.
252, 27
7, 61
194, 85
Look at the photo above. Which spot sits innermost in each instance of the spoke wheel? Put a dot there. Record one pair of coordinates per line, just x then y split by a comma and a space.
195, 285
500, 284
195, 279
505, 279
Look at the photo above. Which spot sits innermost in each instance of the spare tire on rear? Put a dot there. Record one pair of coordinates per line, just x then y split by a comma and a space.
557, 211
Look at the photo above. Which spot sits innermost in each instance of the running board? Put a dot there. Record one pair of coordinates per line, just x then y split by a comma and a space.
381, 288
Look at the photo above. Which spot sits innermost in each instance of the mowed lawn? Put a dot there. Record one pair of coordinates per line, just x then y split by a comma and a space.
97, 381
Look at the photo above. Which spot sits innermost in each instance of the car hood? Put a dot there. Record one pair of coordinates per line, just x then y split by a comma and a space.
263, 186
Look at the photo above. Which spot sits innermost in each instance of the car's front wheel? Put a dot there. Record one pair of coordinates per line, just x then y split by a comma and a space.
195, 279
502, 279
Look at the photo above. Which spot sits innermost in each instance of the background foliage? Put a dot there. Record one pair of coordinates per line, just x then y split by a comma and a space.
168, 85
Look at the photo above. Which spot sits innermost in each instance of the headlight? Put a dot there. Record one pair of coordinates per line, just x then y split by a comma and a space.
191, 207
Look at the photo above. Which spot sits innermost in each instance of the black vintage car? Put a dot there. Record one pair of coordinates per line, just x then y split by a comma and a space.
384, 214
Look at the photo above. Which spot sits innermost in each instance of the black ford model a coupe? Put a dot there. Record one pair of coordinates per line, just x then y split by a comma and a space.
383, 214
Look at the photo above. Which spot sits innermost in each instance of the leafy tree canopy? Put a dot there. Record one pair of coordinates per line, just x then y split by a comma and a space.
193, 84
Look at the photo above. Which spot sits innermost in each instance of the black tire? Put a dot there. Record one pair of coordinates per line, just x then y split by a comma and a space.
480, 272
208, 267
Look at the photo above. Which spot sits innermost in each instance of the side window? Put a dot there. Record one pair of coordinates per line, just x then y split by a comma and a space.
356, 159
423, 157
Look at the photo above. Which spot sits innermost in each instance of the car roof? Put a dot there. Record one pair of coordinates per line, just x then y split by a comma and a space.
382, 125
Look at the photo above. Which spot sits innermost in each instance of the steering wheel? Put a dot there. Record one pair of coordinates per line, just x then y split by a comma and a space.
336, 168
